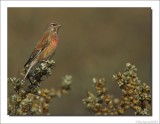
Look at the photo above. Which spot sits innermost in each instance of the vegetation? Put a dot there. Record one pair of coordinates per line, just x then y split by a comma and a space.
29, 98
135, 95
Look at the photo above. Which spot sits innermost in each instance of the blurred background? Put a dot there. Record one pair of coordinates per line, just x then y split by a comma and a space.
94, 42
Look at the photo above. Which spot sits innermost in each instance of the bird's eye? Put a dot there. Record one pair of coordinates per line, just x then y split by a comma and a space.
53, 24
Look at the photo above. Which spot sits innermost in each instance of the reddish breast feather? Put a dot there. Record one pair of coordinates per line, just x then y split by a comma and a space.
54, 41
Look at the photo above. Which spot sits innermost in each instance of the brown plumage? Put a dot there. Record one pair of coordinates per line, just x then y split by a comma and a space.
45, 47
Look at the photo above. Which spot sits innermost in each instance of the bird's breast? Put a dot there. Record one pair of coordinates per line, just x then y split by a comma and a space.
54, 42
50, 49
52, 46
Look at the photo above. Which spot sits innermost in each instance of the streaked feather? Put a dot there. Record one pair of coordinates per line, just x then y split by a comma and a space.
41, 45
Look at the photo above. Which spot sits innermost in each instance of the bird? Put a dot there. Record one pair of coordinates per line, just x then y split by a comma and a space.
45, 47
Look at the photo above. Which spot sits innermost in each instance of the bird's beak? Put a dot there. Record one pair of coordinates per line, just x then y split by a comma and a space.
59, 26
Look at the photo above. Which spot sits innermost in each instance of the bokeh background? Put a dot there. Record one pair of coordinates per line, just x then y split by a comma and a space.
94, 42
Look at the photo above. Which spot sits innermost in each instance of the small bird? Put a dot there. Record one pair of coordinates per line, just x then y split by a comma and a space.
45, 47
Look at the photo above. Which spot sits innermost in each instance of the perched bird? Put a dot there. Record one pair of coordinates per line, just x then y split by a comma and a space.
45, 47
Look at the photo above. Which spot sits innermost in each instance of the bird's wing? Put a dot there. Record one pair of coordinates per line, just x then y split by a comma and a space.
34, 54
43, 42
41, 45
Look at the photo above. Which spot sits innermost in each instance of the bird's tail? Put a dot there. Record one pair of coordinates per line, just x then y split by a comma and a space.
30, 66
27, 72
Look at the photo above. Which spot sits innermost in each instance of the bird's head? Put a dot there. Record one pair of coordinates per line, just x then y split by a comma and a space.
53, 27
